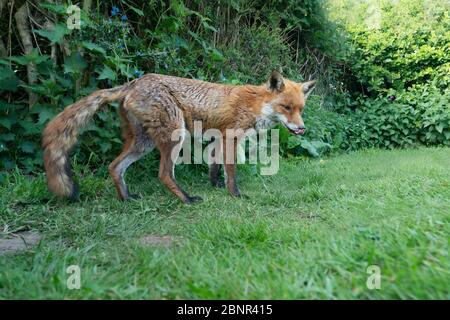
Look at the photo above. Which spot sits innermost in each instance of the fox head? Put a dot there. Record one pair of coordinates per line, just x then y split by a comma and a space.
285, 101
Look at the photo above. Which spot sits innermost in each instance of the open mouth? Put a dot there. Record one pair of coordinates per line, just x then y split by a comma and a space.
299, 131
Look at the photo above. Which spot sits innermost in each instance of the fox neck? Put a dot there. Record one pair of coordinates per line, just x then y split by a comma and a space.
266, 119
253, 99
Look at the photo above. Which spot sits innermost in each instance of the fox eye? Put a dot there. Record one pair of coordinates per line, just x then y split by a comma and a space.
287, 108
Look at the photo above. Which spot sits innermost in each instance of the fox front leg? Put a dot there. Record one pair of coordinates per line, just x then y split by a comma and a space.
230, 168
214, 163
214, 176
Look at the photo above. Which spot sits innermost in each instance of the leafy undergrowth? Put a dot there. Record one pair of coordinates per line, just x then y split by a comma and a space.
309, 231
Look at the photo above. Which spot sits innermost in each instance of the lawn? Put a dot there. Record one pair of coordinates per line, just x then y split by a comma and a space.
309, 231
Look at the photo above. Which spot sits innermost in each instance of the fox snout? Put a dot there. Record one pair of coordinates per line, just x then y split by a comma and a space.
301, 130
294, 123
296, 129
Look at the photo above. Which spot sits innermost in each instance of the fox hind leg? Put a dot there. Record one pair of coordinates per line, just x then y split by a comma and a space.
166, 171
162, 118
137, 144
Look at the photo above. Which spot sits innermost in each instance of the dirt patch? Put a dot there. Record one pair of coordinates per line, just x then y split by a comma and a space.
19, 241
157, 240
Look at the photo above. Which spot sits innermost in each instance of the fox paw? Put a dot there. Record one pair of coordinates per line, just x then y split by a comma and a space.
218, 184
193, 199
132, 197
240, 195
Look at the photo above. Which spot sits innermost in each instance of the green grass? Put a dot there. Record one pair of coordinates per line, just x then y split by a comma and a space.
310, 231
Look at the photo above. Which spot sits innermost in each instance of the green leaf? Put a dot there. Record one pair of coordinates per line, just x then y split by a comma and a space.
56, 8
6, 73
293, 142
74, 63
33, 57
45, 115
216, 55
27, 147
440, 127
7, 122
30, 128
138, 11
309, 147
22, 60
7, 163
7, 137
207, 26
55, 35
321, 146
8, 79
107, 73
14, 108
94, 47
46, 88
105, 146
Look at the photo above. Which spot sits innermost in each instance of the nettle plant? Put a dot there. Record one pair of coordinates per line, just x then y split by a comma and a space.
383, 124
402, 119
431, 105
69, 64
433, 108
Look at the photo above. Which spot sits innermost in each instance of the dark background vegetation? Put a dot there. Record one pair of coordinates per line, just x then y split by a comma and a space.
383, 66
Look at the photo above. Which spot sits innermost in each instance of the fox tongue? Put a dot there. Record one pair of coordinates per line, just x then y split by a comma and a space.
299, 131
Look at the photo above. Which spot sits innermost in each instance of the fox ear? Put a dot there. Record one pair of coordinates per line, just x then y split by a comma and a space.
307, 87
276, 81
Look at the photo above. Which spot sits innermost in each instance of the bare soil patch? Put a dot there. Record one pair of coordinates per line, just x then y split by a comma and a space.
158, 240
18, 242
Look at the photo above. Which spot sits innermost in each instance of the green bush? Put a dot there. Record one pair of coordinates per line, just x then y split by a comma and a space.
419, 116
230, 41
406, 44
434, 111
397, 71
382, 124
256, 53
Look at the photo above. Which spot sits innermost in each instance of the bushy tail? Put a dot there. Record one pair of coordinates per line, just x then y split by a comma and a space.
60, 136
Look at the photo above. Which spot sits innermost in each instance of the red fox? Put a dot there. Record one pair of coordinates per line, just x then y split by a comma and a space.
153, 106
